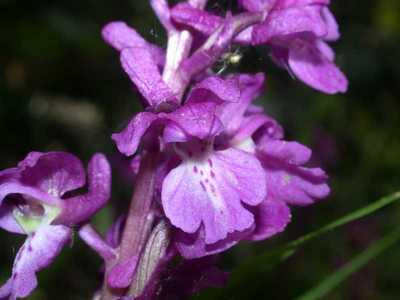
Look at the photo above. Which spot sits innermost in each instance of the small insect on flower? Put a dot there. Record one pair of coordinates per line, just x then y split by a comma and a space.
230, 59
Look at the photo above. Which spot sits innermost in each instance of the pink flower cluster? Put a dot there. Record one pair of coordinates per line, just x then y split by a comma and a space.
212, 168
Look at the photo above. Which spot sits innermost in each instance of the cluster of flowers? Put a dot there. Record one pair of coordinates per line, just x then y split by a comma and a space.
211, 168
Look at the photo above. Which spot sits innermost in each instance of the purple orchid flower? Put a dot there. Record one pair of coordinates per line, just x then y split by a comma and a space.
234, 175
36, 199
161, 76
297, 32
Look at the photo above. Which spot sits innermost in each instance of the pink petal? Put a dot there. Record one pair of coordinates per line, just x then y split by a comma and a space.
80, 208
281, 23
38, 251
271, 217
128, 140
193, 245
331, 24
257, 5
316, 70
287, 180
208, 189
139, 64
121, 36
52, 172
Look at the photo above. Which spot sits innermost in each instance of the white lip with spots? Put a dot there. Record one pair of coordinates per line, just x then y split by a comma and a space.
198, 160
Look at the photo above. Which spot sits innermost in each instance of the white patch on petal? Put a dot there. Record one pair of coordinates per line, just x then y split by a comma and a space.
247, 145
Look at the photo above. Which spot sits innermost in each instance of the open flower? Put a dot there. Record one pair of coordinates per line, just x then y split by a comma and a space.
233, 174
296, 31
36, 199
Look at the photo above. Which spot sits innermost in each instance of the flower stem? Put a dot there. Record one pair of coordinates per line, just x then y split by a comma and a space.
139, 219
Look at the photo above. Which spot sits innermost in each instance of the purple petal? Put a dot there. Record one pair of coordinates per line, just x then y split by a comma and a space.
129, 139
325, 50
314, 69
257, 5
290, 152
121, 36
162, 11
7, 220
34, 194
231, 114
271, 130
197, 119
192, 245
121, 275
249, 126
209, 187
53, 172
139, 64
113, 236
331, 25
290, 21
96, 242
271, 217
214, 88
195, 18
286, 180
38, 251
282, 4
80, 208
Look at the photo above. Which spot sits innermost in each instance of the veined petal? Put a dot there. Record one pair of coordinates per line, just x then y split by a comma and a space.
290, 152
38, 251
271, 217
249, 125
288, 181
121, 36
80, 208
141, 68
162, 11
193, 245
53, 172
331, 24
208, 189
281, 23
128, 140
231, 114
282, 4
196, 18
7, 220
257, 5
215, 89
197, 119
312, 67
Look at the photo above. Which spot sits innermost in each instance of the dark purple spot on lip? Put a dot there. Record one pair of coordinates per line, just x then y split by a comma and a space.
210, 162
203, 186
15, 275
195, 169
30, 248
212, 174
212, 188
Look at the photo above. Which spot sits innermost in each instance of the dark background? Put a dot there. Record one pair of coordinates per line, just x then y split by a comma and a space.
61, 88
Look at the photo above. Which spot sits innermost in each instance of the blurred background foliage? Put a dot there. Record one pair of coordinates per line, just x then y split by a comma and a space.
61, 88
